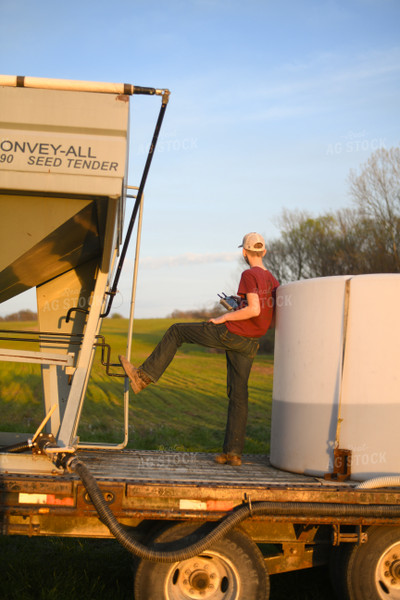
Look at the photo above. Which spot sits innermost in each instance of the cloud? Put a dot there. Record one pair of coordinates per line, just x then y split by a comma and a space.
189, 258
311, 85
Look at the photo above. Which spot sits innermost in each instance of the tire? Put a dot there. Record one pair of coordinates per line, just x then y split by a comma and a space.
372, 571
232, 569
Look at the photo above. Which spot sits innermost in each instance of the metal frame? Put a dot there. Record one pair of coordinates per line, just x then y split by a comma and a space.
124, 443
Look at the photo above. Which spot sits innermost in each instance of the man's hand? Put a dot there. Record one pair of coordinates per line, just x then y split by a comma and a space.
252, 310
218, 320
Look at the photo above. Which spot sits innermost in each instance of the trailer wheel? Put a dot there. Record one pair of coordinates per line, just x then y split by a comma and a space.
372, 571
232, 569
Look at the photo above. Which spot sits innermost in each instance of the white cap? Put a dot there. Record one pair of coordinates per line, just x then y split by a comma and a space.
253, 241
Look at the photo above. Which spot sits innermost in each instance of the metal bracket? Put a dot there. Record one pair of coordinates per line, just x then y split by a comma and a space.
341, 465
247, 500
358, 537
42, 441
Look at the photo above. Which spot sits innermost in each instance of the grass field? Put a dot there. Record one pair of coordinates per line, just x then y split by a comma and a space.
186, 411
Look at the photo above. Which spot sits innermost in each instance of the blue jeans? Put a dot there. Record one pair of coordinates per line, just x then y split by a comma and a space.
240, 352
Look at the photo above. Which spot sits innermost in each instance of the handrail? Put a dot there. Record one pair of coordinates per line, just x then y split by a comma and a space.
74, 85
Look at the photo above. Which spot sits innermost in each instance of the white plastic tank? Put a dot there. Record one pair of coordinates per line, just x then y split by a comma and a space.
337, 357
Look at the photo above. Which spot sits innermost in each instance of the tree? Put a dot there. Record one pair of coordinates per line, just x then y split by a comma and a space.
376, 192
351, 241
307, 248
276, 260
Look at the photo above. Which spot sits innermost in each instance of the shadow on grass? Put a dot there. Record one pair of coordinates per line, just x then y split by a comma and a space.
307, 584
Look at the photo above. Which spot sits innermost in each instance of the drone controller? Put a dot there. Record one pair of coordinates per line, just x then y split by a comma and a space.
230, 302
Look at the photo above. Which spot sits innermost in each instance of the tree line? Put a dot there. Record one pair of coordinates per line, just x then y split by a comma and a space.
363, 238
22, 315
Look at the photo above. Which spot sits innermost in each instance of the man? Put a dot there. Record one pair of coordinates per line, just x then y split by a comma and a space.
237, 332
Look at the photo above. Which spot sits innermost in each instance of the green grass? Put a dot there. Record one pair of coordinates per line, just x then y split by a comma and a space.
186, 410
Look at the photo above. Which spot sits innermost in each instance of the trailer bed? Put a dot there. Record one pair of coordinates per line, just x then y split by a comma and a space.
145, 482
141, 467
146, 489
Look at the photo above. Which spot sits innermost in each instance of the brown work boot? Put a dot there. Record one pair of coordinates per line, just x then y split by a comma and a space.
221, 459
139, 380
231, 459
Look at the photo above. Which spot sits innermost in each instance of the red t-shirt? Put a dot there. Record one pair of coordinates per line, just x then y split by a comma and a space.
256, 281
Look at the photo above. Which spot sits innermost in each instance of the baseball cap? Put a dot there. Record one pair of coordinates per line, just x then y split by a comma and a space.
253, 241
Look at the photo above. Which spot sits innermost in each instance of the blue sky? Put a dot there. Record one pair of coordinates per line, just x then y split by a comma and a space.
272, 104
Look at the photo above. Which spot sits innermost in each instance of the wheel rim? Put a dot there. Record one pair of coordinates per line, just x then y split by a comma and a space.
210, 576
387, 574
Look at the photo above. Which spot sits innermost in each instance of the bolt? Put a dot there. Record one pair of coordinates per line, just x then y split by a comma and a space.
387, 574
387, 564
191, 591
395, 556
211, 587
393, 582
187, 572
185, 582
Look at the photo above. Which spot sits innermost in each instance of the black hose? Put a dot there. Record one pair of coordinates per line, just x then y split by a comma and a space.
231, 520
114, 287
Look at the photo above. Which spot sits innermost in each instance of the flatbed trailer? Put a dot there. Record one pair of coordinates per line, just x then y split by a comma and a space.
197, 530
306, 521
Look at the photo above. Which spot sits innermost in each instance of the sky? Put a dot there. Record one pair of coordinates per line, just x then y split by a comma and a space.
272, 104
